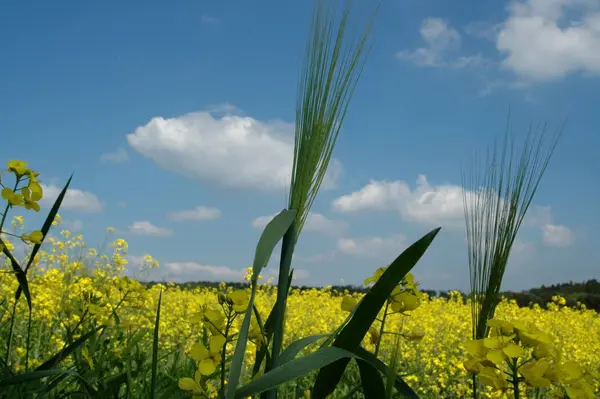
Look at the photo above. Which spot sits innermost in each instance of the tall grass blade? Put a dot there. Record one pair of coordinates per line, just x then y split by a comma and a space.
496, 197
45, 229
66, 351
292, 370
262, 351
292, 350
19, 274
366, 312
155, 349
371, 381
327, 82
271, 235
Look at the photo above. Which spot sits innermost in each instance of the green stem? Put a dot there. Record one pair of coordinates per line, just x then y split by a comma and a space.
10, 333
515, 380
387, 304
287, 250
223, 354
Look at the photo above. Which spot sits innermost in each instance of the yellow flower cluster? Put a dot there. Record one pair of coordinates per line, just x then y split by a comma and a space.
524, 353
75, 287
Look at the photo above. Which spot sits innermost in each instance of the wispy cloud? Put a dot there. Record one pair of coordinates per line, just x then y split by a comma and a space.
145, 228
198, 214
118, 156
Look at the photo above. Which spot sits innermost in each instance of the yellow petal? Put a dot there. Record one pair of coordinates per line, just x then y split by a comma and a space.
512, 350
188, 384
7, 193
495, 356
216, 343
475, 347
207, 367
198, 352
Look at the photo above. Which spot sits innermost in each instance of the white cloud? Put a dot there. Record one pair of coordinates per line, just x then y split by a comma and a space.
552, 234
314, 222
74, 200
232, 151
442, 44
117, 156
372, 246
145, 228
557, 235
200, 213
198, 271
542, 40
484, 29
430, 205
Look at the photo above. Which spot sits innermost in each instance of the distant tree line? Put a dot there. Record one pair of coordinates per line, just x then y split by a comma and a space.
586, 293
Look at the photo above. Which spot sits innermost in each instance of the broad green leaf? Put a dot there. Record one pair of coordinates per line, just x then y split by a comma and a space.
371, 380
401, 386
32, 376
155, 349
353, 333
293, 369
294, 348
66, 351
271, 235
269, 238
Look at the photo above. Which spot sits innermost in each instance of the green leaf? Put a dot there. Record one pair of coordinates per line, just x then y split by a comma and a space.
269, 238
32, 376
155, 349
45, 228
287, 252
401, 386
371, 381
66, 351
294, 348
353, 333
19, 274
271, 235
262, 351
293, 369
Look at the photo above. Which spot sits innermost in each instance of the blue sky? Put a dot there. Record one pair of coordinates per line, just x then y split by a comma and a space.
177, 119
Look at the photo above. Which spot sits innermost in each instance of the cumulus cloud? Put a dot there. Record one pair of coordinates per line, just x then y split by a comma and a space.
314, 222
231, 151
198, 214
438, 205
74, 200
543, 40
557, 235
145, 228
553, 235
371, 246
442, 43
427, 204
118, 156
195, 271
